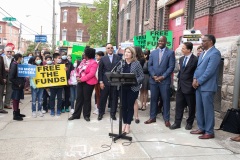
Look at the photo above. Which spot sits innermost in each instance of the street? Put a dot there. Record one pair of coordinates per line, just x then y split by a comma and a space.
50, 138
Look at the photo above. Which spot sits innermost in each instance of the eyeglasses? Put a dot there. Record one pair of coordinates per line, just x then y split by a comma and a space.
110, 48
205, 40
9, 51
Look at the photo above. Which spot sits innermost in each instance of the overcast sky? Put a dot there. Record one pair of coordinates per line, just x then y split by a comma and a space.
34, 14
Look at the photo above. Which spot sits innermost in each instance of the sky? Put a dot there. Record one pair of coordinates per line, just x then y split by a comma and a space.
33, 14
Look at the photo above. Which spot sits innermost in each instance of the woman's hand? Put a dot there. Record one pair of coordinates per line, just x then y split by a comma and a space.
79, 80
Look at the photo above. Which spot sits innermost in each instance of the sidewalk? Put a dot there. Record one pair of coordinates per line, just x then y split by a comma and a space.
50, 138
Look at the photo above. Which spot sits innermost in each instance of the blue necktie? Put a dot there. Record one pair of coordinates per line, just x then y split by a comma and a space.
184, 62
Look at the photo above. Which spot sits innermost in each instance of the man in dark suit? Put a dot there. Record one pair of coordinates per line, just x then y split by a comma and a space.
185, 92
160, 66
205, 80
106, 64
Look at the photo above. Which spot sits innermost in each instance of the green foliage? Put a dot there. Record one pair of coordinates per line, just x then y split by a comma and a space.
32, 46
97, 22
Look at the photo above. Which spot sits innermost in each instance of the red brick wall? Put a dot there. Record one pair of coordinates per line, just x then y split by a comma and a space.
71, 25
202, 24
226, 23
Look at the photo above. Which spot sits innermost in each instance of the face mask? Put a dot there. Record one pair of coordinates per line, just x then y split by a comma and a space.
22, 61
59, 61
49, 62
38, 61
29, 56
64, 57
75, 65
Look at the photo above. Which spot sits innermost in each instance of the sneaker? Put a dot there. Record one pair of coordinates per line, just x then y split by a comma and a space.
40, 114
43, 111
52, 113
63, 110
34, 115
59, 112
67, 110
72, 111
95, 111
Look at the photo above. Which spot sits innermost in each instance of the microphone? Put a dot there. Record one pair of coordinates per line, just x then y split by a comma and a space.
119, 62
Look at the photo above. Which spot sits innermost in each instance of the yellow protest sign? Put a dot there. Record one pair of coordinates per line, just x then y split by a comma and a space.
50, 75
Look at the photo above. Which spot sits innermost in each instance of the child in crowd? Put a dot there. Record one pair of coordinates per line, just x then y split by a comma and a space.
99, 55
17, 86
37, 93
56, 90
46, 93
72, 81
66, 89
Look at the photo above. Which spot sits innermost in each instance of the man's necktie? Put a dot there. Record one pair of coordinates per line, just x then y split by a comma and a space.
184, 62
160, 56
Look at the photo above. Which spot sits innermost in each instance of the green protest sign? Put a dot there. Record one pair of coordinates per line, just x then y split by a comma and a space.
152, 38
77, 52
140, 41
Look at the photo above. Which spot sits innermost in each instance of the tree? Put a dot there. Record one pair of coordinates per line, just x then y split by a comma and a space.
32, 46
97, 22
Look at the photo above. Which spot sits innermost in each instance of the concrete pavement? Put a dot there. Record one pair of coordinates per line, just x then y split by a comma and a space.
50, 138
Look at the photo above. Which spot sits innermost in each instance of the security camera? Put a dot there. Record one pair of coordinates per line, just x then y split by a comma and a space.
193, 31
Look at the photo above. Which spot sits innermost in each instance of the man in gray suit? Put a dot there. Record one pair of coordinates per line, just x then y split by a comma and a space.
7, 61
160, 66
205, 80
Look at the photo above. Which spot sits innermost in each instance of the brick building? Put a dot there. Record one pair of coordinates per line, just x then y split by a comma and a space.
71, 26
218, 17
8, 34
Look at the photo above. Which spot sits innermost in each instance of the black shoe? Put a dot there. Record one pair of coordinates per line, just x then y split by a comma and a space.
16, 116
174, 126
113, 117
72, 118
87, 119
188, 127
21, 115
100, 116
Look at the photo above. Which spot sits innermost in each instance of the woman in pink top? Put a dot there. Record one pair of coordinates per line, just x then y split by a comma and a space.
86, 81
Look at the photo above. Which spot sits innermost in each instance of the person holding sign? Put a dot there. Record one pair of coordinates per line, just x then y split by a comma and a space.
86, 81
56, 90
37, 93
18, 84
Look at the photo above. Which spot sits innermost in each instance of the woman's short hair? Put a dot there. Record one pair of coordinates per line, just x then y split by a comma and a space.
90, 53
132, 50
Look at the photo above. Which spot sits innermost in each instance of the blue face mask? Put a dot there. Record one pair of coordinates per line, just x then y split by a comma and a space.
64, 57
29, 56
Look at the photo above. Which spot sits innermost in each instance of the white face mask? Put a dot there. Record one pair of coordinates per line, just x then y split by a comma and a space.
38, 61
75, 65
49, 62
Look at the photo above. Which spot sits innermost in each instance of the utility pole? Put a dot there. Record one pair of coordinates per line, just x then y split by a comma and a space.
109, 21
53, 27
19, 37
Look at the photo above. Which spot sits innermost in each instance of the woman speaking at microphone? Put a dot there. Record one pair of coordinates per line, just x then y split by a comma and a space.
130, 92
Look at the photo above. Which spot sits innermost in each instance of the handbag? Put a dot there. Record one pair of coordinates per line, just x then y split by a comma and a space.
231, 121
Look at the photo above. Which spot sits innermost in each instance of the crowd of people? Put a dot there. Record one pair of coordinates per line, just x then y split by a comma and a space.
197, 84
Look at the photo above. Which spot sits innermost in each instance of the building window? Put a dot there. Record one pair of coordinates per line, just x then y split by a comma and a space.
79, 19
65, 16
147, 10
79, 36
160, 19
191, 14
64, 34
136, 32
121, 25
0, 29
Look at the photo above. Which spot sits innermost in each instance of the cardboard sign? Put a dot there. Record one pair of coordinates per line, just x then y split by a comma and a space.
50, 75
26, 70
25, 60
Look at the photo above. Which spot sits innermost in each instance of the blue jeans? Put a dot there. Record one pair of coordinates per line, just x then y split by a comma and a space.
73, 92
56, 92
37, 94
